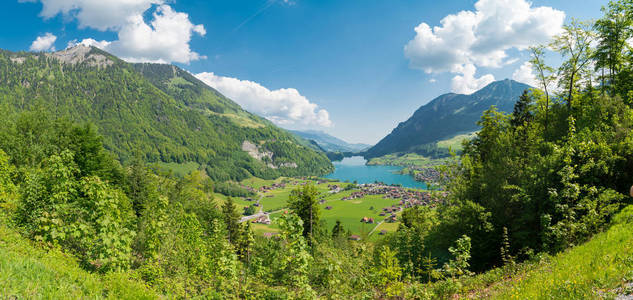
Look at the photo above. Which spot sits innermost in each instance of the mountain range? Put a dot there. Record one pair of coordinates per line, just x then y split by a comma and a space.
330, 143
156, 111
446, 116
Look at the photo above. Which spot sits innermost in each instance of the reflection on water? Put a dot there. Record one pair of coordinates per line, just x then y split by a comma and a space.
354, 169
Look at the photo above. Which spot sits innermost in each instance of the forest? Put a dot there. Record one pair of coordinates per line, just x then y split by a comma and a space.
534, 183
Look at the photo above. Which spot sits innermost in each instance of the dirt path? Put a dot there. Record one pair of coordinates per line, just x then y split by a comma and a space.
372, 231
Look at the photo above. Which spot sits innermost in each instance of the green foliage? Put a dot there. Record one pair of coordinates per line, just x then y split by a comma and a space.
337, 230
387, 273
231, 220
231, 189
30, 272
8, 190
304, 202
458, 266
294, 258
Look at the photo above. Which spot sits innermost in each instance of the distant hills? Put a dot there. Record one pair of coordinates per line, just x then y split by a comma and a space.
446, 116
330, 143
157, 111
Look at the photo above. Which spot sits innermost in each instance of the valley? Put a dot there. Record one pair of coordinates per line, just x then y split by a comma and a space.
134, 167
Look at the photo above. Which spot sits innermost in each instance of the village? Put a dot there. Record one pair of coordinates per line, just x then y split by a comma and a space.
332, 192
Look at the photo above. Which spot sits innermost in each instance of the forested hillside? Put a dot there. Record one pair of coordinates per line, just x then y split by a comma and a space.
162, 114
446, 116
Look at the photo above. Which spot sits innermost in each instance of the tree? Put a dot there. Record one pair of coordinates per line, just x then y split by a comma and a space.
387, 272
614, 30
337, 230
522, 113
574, 44
231, 220
544, 75
459, 265
141, 188
304, 202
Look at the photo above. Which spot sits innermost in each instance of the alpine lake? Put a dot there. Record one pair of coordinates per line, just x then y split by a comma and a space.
355, 169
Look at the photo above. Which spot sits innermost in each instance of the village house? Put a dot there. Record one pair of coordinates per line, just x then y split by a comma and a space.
354, 237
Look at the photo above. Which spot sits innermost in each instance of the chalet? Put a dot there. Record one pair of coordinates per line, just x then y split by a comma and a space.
354, 237
264, 219
391, 219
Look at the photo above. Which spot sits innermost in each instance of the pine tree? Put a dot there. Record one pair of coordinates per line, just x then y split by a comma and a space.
231, 220
337, 230
522, 113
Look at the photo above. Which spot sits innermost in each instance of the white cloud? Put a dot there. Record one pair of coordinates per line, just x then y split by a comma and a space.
282, 106
525, 74
44, 43
165, 39
481, 38
467, 83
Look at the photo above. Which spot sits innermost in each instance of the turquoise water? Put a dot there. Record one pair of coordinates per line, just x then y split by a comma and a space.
354, 168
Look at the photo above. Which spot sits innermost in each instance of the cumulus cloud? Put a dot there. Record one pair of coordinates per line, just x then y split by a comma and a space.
164, 39
44, 43
481, 38
282, 106
467, 83
525, 74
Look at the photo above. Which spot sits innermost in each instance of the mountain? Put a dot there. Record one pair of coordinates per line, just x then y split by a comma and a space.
448, 115
330, 143
157, 111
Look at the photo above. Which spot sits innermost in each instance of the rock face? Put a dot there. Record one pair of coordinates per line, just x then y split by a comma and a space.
255, 152
79, 54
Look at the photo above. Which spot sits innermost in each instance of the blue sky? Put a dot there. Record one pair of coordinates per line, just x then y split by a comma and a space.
332, 65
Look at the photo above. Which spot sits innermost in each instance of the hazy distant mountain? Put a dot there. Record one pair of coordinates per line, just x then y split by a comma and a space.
448, 115
330, 143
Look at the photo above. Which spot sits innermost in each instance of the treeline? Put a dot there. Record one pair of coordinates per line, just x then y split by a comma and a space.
232, 189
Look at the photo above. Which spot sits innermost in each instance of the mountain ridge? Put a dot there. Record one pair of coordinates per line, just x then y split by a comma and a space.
159, 111
329, 142
448, 115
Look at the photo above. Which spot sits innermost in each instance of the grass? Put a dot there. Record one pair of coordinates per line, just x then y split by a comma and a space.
455, 143
179, 170
592, 270
350, 212
29, 272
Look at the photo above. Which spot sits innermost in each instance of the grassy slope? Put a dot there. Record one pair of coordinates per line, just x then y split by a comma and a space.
29, 272
455, 143
594, 269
